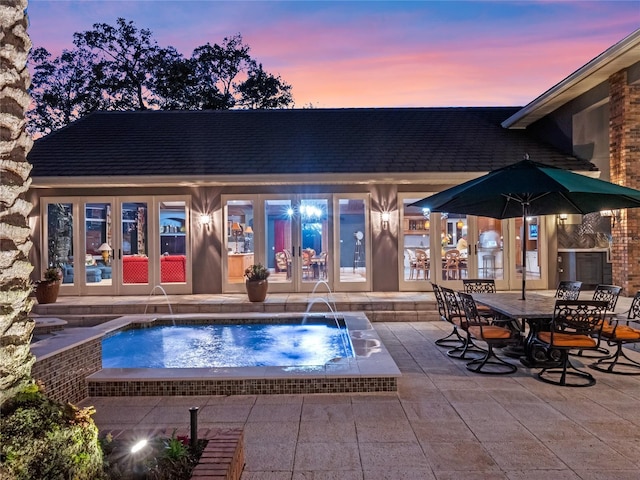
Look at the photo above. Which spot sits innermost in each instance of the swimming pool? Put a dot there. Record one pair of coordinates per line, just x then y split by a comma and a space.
70, 363
303, 343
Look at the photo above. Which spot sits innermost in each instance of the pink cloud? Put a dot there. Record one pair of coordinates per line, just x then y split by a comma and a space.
350, 54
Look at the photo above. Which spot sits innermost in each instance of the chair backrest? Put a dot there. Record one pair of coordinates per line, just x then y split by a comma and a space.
479, 285
609, 294
442, 309
568, 290
452, 256
411, 254
581, 317
452, 304
634, 309
421, 257
471, 310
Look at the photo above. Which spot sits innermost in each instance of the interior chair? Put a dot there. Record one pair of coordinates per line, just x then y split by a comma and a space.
422, 263
481, 328
618, 332
411, 258
323, 264
455, 315
307, 266
568, 290
451, 265
281, 262
576, 324
287, 254
454, 339
609, 294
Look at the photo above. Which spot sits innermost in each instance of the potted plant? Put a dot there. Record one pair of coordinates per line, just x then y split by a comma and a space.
47, 289
256, 282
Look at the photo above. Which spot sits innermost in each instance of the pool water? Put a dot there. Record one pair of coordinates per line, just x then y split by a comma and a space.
200, 346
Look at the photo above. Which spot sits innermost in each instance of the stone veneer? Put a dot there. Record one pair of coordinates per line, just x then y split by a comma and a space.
624, 160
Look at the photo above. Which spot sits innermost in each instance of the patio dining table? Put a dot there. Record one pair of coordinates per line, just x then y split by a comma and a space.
535, 310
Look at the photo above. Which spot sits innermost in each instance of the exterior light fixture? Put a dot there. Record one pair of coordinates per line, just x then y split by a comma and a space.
385, 216
105, 249
205, 220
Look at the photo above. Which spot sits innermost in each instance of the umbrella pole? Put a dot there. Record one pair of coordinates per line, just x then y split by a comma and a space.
524, 248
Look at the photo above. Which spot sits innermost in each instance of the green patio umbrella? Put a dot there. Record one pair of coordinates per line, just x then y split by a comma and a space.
529, 188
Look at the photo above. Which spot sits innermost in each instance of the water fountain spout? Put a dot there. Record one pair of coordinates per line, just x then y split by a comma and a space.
159, 287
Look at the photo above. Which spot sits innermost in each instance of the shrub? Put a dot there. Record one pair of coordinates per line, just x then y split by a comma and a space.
40, 438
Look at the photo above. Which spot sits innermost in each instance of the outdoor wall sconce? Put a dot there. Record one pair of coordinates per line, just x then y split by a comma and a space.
385, 216
205, 220
614, 214
563, 217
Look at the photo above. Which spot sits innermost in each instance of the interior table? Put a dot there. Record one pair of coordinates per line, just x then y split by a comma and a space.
535, 310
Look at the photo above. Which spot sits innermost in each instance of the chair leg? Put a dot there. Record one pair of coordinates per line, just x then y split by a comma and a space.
467, 351
550, 375
609, 363
454, 339
495, 365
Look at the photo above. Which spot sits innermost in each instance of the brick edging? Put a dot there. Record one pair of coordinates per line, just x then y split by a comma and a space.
223, 457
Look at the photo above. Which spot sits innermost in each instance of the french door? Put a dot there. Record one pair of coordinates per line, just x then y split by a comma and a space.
300, 238
445, 248
118, 245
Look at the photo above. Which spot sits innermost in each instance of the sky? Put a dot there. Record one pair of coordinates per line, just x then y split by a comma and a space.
345, 54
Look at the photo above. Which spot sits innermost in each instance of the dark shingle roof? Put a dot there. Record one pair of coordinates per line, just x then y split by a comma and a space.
290, 141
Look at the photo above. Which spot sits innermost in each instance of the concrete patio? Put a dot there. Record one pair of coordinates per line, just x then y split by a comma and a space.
444, 423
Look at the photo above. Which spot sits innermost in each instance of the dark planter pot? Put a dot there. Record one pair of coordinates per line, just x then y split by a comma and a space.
257, 290
47, 292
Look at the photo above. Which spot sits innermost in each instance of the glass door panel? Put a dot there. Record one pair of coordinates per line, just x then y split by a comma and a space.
59, 236
173, 234
278, 214
352, 228
134, 246
98, 244
533, 261
490, 261
415, 251
313, 214
239, 239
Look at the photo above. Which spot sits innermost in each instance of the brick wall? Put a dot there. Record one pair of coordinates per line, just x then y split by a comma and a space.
624, 159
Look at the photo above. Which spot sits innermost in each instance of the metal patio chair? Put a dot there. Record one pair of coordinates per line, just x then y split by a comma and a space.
454, 339
468, 350
481, 328
576, 324
617, 332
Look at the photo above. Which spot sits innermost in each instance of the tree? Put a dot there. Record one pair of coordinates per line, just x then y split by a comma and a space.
126, 57
63, 89
263, 90
15, 286
123, 68
217, 67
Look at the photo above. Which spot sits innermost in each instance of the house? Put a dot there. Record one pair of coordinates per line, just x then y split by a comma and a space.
125, 201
